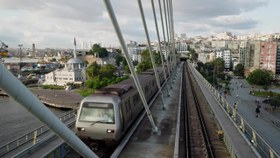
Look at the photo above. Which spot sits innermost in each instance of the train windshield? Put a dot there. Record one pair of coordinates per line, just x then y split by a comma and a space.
97, 113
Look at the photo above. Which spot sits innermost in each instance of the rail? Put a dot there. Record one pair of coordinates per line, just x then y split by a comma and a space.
260, 145
34, 136
209, 150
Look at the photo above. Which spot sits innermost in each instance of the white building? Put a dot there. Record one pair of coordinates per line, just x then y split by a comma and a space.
227, 59
73, 72
226, 56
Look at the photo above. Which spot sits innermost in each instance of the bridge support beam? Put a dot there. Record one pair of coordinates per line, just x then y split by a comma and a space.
15, 89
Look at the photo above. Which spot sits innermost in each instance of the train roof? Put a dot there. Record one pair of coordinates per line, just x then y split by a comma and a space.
125, 86
151, 71
114, 89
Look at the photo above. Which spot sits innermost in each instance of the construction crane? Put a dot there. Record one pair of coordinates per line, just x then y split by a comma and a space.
3, 49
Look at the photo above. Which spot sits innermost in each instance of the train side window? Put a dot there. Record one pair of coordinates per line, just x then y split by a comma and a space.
135, 99
127, 106
122, 119
146, 89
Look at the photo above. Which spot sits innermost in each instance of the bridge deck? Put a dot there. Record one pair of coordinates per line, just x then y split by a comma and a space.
145, 143
241, 146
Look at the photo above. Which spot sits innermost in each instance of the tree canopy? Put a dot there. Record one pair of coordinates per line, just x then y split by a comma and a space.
93, 70
99, 51
100, 76
107, 70
260, 77
147, 62
219, 65
119, 59
239, 70
193, 56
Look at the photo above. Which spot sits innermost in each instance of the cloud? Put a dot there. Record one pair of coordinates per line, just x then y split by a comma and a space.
234, 22
193, 10
54, 23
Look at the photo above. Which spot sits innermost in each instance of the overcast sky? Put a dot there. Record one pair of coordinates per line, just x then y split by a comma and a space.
54, 23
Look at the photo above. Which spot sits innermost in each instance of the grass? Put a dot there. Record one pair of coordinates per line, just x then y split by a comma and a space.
85, 91
55, 87
266, 94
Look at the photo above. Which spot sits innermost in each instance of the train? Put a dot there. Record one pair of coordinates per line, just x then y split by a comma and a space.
105, 116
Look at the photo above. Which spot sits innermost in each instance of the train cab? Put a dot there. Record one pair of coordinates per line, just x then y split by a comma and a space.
97, 119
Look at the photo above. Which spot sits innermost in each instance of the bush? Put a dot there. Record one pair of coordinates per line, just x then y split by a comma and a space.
85, 92
274, 102
55, 87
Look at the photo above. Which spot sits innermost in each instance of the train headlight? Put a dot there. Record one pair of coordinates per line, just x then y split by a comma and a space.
110, 131
80, 128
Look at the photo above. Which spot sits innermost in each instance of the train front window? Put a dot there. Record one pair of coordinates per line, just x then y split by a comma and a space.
97, 112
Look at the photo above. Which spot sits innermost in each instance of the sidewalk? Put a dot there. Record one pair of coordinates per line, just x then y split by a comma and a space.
244, 96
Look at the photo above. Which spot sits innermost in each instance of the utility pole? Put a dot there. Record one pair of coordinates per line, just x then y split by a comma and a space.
20, 45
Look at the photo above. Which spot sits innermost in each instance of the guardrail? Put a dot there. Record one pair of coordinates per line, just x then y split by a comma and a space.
261, 146
34, 136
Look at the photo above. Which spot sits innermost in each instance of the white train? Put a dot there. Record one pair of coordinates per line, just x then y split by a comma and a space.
105, 116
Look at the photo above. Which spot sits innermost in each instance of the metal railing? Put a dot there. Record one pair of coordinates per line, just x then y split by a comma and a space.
31, 138
260, 145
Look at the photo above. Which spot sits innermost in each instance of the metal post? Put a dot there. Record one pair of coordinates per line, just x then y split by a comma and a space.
125, 51
271, 153
254, 138
172, 35
20, 45
23, 96
150, 49
172, 47
242, 126
160, 51
35, 137
167, 33
163, 31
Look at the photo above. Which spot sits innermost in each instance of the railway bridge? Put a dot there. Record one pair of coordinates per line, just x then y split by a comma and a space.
165, 131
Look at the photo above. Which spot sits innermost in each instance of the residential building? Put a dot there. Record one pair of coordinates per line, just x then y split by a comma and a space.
226, 56
277, 70
268, 55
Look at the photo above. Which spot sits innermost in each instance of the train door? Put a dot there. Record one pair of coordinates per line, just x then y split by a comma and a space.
128, 110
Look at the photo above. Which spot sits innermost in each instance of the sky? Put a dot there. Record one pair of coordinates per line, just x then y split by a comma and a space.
55, 23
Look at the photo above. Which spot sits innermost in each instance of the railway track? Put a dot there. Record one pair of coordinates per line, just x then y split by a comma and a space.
194, 140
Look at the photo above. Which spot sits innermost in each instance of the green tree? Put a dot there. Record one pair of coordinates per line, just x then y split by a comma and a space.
93, 70
239, 70
145, 56
99, 51
119, 59
219, 65
260, 77
107, 70
193, 56
134, 62
143, 66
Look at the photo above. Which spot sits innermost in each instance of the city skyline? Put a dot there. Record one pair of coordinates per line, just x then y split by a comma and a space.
53, 23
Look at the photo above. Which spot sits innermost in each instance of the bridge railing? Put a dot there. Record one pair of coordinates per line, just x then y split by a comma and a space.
33, 136
261, 146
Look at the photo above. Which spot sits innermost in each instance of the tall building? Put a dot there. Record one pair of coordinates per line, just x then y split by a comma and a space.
257, 55
268, 55
226, 56
277, 70
33, 50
